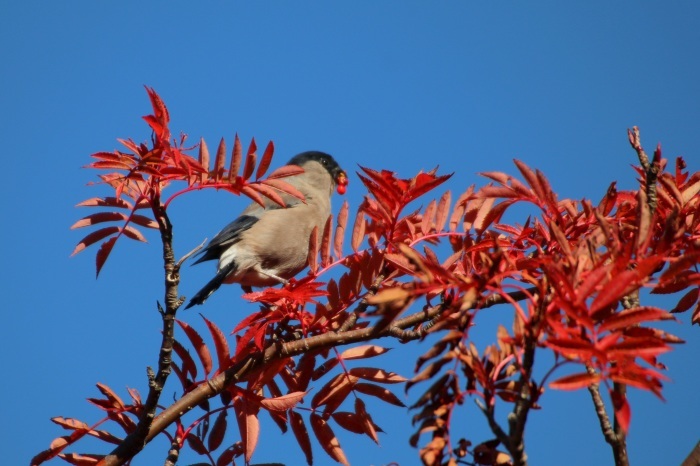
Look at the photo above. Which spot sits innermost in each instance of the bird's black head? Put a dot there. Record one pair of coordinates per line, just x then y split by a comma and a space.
324, 159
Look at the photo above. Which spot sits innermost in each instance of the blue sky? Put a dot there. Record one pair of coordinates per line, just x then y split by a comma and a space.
398, 85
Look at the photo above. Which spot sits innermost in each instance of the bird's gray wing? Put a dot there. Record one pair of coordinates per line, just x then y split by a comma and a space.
231, 234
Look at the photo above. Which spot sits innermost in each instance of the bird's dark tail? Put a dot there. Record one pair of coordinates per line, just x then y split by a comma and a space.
212, 286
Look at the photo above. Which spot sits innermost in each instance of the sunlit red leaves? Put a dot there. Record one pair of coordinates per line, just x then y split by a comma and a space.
116, 410
248, 425
142, 173
327, 438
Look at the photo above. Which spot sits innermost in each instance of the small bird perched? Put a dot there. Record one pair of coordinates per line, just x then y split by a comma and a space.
269, 245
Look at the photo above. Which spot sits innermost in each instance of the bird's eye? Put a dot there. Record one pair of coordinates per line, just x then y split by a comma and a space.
324, 161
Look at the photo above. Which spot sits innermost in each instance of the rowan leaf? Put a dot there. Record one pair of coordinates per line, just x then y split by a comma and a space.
428, 218
623, 413
101, 217
223, 353
236, 158
687, 301
268, 193
326, 242
382, 393
363, 351
634, 316
94, 237
248, 425
133, 233
250, 160
376, 375
218, 431
614, 290
285, 171
220, 160
313, 251
199, 346
329, 442
575, 381
188, 365
335, 391
339, 237
284, 402
203, 160
284, 187
443, 209
358, 231
302, 435
265, 160
349, 421
106, 202
103, 253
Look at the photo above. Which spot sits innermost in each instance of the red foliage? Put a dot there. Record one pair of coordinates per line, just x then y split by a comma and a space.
572, 272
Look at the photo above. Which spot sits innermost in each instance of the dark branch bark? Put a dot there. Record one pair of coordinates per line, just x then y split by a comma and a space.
135, 441
237, 372
693, 458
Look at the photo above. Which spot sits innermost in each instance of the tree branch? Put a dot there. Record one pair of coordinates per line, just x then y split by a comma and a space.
136, 440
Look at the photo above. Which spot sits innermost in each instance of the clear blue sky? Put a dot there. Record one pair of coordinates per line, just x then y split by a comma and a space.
400, 85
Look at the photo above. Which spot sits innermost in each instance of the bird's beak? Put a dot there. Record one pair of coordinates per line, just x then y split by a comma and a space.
342, 182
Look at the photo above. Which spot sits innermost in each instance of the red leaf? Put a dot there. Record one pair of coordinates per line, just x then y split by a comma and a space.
106, 202
236, 157
358, 231
302, 435
380, 392
376, 375
250, 160
248, 425
326, 242
687, 301
133, 233
94, 237
335, 391
98, 218
188, 365
361, 352
635, 347
222, 351
349, 421
428, 218
81, 460
218, 431
144, 221
284, 187
285, 171
634, 316
220, 161
313, 251
575, 381
339, 237
103, 253
114, 399
265, 161
614, 290
196, 444
368, 425
204, 160
572, 347
70, 423
268, 193
251, 193
623, 413
442, 210
329, 442
199, 346
284, 402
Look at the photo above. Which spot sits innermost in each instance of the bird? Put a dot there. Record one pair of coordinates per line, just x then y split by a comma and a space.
268, 245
